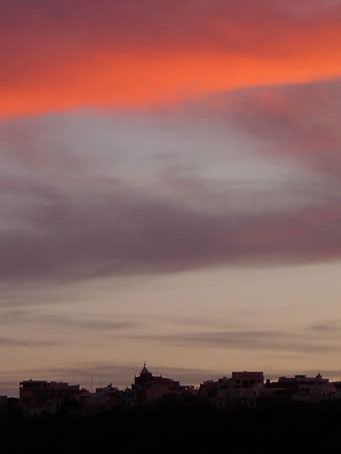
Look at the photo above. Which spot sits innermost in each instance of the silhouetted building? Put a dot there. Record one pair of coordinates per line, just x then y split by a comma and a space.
210, 389
41, 395
275, 391
337, 385
310, 389
3, 407
247, 379
243, 388
104, 398
149, 388
129, 397
300, 388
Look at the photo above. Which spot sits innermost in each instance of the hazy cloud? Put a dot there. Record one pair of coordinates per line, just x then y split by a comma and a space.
11, 342
247, 340
33, 317
331, 327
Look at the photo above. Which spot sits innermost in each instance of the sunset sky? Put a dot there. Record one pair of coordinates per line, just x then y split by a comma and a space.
170, 188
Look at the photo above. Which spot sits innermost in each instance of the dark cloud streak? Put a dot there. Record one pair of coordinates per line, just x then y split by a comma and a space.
132, 234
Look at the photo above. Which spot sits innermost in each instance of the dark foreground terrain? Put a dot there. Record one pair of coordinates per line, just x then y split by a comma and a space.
174, 429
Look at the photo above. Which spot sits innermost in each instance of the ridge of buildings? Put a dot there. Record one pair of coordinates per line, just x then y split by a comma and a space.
244, 388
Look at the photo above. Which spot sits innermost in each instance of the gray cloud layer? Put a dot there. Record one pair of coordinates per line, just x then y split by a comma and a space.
66, 218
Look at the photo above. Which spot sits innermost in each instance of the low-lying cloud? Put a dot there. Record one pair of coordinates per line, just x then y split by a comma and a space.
255, 340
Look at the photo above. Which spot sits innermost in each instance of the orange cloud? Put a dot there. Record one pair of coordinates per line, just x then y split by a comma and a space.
121, 54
